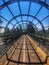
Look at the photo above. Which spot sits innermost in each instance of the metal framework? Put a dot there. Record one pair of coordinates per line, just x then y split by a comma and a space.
30, 16
43, 4
11, 35
27, 22
36, 1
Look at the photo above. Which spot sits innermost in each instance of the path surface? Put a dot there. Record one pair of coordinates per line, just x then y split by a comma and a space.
24, 46
24, 53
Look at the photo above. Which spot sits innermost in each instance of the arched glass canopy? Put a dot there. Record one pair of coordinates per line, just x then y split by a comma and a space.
15, 14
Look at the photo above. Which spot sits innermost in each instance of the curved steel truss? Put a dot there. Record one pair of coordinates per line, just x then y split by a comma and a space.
9, 2
13, 1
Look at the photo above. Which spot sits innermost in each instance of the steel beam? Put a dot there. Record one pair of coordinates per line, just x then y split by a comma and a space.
13, 1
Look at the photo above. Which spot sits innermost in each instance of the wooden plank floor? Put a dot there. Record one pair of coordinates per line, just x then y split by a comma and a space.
24, 53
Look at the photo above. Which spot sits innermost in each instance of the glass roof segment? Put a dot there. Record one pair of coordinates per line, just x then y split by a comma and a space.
14, 8
43, 13
21, 23
45, 22
6, 14
1, 2
24, 7
18, 27
10, 26
13, 22
34, 8
39, 27
42, 0
24, 17
35, 22
24, 27
47, 2
6, 0
18, 18
30, 18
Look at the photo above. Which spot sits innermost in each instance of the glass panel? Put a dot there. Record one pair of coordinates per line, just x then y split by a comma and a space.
4, 23
46, 28
46, 22
10, 26
35, 21
6, 14
47, 1
1, 2
42, 0
6, 0
34, 8
42, 14
39, 26
13, 22
14, 8
25, 22
24, 17
16, 25
18, 18
24, 26
24, 7
30, 19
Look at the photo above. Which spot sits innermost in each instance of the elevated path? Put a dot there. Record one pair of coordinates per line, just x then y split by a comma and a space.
25, 51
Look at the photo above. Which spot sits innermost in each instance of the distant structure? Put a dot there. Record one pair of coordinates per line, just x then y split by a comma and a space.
2, 29
1, 34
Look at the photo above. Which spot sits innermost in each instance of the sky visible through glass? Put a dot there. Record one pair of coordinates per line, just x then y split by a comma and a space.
24, 6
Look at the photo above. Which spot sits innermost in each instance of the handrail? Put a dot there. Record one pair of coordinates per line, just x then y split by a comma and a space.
39, 51
40, 37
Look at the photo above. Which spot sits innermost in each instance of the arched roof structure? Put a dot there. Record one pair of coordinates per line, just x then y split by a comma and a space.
35, 12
